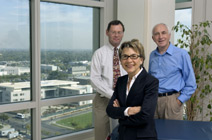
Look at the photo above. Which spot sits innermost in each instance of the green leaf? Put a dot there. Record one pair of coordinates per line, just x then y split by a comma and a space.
209, 106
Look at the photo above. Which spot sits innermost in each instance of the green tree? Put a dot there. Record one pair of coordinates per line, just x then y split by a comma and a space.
198, 40
4, 117
57, 75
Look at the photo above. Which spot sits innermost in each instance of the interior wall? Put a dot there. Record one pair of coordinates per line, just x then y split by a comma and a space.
202, 12
132, 16
163, 11
108, 13
208, 12
139, 17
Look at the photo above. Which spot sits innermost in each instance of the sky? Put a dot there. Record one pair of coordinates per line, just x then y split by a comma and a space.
62, 26
184, 16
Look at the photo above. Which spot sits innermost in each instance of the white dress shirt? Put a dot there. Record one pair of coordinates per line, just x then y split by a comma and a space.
102, 70
127, 91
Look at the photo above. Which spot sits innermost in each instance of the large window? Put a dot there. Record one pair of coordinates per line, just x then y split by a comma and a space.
66, 118
45, 54
66, 49
15, 68
15, 124
184, 17
14, 51
183, 14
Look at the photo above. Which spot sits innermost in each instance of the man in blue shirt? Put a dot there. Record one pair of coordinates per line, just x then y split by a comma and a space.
172, 66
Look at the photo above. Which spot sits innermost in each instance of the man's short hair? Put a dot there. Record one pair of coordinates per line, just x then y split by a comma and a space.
115, 22
153, 29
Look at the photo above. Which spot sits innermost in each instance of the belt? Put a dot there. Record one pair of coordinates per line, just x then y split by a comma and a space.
167, 93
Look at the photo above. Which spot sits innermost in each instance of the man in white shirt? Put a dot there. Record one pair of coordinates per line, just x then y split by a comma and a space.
102, 79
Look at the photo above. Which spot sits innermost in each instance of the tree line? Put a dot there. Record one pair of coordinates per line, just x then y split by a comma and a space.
47, 56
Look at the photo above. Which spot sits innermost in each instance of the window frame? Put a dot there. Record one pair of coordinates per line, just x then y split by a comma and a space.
36, 103
183, 5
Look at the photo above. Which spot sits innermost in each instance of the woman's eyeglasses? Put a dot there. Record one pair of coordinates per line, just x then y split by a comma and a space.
133, 56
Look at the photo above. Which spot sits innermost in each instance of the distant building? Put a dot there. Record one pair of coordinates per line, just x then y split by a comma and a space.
13, 70
3, 63
83, 80
45, 67
16, 92
80, 63
78, 70
3, 73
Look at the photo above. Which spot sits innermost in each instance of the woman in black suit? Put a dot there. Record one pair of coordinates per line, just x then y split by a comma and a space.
135, 96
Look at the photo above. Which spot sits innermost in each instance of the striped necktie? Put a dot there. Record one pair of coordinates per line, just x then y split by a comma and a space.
116, 67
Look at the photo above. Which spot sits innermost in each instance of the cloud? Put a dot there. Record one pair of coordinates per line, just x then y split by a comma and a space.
65, 13
62, 25
184, 16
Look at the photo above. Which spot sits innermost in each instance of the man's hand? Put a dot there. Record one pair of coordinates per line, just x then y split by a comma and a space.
179, 102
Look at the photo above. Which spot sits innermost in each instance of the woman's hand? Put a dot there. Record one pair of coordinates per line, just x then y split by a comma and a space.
131, 111
116, 103
134, 110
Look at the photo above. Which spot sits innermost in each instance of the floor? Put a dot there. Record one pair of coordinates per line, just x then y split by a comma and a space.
89, 139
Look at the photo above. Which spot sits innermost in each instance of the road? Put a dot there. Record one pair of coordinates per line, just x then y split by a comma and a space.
49, 128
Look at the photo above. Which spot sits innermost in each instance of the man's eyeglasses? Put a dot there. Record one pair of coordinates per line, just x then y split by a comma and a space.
118, 33
133, 56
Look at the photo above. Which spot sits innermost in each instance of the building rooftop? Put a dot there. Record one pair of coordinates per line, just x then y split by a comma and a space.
20, 85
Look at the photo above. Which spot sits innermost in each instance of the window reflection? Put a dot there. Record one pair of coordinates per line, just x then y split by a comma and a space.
67, 44
15, 125
66, 49
66, 118
14, 51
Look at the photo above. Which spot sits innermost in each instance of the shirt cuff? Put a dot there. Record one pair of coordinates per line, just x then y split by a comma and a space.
126, 112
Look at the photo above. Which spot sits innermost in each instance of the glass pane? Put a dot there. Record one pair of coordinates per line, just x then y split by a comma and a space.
66, 118
179, 1
184, 16
14, 51
15, 125
67, 41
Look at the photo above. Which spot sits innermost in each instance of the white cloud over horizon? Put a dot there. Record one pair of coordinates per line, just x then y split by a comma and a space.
62, 26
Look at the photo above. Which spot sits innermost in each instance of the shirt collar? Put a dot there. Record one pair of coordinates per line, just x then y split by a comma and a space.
135, 76
168, 51
112, 47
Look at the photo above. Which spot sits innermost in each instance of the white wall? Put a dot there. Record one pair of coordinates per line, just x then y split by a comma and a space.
162, 11
131, 13
201, 11
139, 17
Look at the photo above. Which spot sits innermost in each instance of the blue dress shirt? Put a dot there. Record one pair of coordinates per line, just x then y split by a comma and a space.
174, 71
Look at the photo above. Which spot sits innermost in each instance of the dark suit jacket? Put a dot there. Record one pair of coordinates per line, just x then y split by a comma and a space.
144, 93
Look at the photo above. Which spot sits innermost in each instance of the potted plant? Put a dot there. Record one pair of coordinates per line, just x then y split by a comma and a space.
198, 41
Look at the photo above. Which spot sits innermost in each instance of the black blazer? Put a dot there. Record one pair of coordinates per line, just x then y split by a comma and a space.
144, 93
